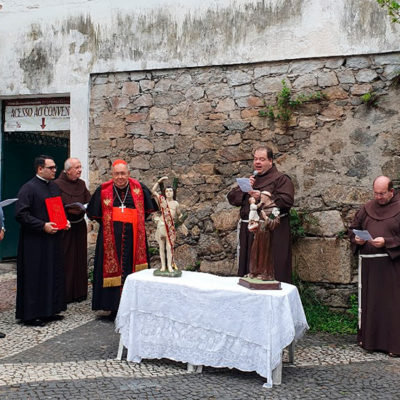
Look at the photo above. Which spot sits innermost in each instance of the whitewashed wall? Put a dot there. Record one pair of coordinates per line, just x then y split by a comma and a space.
51, 47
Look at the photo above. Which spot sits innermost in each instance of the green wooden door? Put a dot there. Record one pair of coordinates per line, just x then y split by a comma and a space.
19, 150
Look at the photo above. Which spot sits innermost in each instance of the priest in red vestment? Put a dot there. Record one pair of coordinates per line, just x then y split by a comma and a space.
266, 178
379, 327
121, 206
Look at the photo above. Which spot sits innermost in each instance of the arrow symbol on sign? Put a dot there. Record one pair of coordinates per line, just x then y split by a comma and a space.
43, 124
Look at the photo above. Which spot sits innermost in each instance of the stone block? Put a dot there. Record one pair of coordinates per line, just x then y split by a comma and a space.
217, 116
225, 105
305, 81
130, 89
323, 260
143, 145
210, 126
218, 90
254, 101
221, 267
234, 139
335, 195
271, 69
233, 154
327, 79
242, 91
359, 90
335, 93
236, 125
236, 78
135, 117
366, 75
270, 85
209, 245
165, 127
357, 62
333, 111
185, 256
162, 144
334, 63
194, 93
305, 66
383, 59
226, 220
146, 84
158, 114
346, 76
325, 223
145, 100
138, 129
139, 162
249, 113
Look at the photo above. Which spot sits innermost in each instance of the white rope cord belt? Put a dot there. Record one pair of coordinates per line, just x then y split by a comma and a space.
360, 257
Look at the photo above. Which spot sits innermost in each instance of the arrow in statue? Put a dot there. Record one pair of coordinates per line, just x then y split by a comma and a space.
43, 124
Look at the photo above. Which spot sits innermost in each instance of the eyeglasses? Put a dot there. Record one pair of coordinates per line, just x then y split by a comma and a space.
53, 167
382, 194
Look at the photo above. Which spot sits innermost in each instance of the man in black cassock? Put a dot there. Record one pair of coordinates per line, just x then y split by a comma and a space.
379, 326
266, 178
120, 206
40, 277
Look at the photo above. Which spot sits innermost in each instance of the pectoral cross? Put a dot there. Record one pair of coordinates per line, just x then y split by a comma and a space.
122, 207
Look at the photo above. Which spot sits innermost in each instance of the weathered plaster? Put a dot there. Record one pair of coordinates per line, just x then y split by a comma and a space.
52, 47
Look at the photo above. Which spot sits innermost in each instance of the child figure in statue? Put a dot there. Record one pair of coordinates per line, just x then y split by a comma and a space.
165, 233
253, 214
261, 256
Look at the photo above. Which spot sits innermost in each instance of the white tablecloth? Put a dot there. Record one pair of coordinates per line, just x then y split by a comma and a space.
203, 319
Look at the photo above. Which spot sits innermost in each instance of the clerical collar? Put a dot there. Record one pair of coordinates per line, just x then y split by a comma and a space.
117, 188
42, 179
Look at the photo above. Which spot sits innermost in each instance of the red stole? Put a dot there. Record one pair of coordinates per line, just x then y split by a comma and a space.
112, 270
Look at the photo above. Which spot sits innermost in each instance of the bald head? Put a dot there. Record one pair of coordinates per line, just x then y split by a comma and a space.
383, 189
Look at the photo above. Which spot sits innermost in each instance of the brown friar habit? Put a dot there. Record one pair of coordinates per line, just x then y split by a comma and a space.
75, 239
380, 277
281, 188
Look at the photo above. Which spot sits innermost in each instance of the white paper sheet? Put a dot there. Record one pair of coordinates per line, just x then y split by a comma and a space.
363, 235
244, 184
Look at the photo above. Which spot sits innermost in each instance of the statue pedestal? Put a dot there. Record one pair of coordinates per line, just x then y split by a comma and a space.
176, 273
258, 284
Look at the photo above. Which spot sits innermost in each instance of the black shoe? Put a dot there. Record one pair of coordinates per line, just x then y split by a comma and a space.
2, 335
53, 318
34, 322
109, 317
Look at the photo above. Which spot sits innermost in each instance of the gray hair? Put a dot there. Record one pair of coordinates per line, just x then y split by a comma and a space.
68, 163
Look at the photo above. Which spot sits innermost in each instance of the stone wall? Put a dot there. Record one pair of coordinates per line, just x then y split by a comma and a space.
201, 124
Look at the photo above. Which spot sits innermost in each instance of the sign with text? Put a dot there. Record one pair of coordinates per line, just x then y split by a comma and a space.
37, 115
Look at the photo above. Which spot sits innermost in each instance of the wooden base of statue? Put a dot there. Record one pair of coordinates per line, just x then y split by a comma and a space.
176, 273
258, 284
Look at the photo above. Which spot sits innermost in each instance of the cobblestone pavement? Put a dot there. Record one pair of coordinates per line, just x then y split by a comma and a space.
75, 359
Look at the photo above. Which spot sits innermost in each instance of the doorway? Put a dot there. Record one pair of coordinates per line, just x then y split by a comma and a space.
18, 152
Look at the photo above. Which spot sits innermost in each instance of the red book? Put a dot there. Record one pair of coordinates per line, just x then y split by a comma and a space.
56, 212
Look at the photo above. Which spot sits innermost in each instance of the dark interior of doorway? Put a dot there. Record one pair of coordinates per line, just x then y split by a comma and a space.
19, 151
